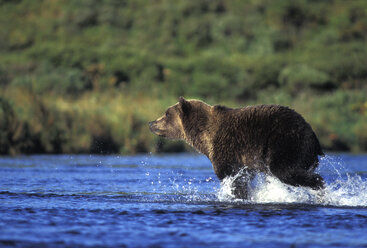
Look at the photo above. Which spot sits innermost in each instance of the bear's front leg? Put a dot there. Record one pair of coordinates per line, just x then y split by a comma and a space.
239, 175
239, 188
241, 184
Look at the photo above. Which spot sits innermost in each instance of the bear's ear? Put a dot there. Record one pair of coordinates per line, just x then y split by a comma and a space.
184, 105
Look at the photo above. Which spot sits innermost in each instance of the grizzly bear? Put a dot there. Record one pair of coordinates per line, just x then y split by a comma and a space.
271, 139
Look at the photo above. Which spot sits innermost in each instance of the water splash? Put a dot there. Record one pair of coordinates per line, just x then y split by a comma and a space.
342, 188
179, 187
268, 189
351, 191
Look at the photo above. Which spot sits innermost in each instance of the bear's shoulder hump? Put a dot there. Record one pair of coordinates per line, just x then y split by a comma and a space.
221, 108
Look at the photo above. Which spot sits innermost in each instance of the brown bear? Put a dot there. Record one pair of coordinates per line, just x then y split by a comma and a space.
271, 139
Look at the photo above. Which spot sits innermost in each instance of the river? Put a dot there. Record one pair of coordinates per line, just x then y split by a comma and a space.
174, 201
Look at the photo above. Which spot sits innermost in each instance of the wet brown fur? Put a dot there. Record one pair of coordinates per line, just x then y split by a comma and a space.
265, 138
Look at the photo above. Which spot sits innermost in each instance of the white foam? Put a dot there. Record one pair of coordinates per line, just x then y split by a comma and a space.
347, 190
350, 191
268, 189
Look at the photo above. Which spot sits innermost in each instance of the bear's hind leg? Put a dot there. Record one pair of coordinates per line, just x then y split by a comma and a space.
292, 171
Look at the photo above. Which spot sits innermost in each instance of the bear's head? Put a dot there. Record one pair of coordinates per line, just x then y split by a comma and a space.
182, 120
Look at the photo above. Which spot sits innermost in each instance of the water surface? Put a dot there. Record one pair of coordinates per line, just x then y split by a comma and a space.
174, 201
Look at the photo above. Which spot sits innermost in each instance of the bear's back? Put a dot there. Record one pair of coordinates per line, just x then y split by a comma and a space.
256, 124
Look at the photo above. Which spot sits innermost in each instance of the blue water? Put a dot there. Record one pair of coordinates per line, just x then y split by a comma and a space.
174, 201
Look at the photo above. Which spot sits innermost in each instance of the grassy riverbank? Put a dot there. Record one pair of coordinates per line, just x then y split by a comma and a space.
114, 122
87, 76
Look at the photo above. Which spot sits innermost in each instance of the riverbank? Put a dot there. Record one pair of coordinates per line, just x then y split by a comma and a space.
116, 122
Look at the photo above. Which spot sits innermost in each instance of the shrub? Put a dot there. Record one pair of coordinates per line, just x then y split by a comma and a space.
214, 76
4, 77
50, 79
341, 122
342, 62
13, 133
296, 78
264, 72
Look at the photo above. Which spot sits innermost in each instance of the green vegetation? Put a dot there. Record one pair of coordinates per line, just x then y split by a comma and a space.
86, 76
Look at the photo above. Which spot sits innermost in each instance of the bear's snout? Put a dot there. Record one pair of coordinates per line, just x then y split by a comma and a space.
151, 126
157, 127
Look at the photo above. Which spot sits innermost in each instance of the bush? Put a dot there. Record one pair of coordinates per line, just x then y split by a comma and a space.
340, 120
13, 133
344, 63
296, 78
57, 80
264, 72
4, 77
214, 76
